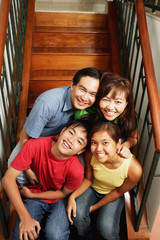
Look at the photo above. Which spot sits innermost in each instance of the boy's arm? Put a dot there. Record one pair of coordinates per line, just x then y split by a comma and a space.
50, 195
28, 226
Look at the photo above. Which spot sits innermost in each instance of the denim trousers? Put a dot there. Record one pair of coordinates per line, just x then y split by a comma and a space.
52, 218
108, 216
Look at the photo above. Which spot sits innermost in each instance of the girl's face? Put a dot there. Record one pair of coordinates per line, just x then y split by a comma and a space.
103, 147
112, 106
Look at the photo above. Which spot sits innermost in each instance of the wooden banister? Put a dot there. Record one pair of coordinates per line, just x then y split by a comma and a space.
4, 14
149, 72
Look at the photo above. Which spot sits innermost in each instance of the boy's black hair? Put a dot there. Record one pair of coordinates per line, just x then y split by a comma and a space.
89, 71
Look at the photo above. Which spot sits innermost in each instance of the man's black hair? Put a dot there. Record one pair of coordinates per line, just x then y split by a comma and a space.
89, 71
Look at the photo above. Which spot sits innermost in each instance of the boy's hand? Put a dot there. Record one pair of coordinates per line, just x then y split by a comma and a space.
25, 192
28, 227
71, 206
32, 177
123, 151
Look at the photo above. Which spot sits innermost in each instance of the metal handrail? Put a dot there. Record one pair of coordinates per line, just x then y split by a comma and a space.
137, 65
13, 14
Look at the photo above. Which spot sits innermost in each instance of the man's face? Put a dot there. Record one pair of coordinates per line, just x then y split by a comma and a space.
72, 141
83, 95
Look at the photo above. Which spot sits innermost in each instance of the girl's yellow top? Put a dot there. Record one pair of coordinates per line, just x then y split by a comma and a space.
105, 179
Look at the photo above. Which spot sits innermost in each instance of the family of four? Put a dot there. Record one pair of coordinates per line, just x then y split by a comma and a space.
58, 190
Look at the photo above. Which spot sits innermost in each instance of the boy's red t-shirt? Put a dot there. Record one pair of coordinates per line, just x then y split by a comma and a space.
52, 173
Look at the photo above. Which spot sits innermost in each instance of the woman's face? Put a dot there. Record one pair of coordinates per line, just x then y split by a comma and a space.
113, 105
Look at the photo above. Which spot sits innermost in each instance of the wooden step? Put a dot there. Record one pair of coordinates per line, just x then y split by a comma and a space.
71, 20
70, 58
143, 232
69, 37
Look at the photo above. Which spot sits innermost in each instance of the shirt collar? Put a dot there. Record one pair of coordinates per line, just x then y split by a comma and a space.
67, 100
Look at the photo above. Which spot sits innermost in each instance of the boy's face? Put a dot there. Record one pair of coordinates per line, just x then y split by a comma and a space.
72, 141
83, 95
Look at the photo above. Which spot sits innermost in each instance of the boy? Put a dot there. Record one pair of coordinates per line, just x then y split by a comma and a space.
59, 173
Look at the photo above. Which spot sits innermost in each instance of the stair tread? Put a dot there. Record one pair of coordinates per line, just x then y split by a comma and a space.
49, 74
143, 232
71, 50
71, 29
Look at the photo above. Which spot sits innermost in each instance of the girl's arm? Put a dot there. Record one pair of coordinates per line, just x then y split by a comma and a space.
134, 175
71, 206
124, 150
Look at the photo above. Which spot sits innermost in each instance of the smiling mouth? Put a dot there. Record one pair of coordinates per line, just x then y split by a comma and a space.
66, 145
110, 114
100, 155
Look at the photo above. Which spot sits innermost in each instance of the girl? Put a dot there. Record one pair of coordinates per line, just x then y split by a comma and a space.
108, 177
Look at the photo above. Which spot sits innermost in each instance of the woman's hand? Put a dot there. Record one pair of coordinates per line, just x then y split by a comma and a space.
25, 192
32, 176
71, 207
124, 151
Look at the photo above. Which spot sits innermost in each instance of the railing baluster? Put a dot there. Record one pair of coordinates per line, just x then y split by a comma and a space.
134, 67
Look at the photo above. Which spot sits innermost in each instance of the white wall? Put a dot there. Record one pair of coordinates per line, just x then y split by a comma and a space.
153, 23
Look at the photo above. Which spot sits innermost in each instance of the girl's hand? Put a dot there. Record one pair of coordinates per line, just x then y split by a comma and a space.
71, 207
32, 177
123, 151
93, 208
25, 192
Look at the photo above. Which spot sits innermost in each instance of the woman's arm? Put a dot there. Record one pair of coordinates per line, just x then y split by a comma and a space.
132, 140
134, 175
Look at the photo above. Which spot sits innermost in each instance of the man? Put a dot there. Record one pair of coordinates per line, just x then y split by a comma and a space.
54, 109
59, 172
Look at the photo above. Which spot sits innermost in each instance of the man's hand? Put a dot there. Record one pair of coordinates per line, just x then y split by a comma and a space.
32, 176
29, 227
71, 206
25, 192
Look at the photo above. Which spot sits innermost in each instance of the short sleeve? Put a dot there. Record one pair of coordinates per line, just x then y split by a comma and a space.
75, 175
24, 158
38, 118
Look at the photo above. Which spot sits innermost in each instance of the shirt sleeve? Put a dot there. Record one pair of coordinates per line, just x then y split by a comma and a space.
75, 175
38, 118
24, 158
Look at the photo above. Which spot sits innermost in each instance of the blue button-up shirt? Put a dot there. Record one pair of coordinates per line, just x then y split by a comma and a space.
52, 111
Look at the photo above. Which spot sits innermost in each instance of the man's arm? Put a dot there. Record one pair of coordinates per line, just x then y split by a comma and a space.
23, 137
27, 224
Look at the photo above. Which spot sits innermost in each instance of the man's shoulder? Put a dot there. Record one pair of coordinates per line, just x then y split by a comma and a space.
55, 92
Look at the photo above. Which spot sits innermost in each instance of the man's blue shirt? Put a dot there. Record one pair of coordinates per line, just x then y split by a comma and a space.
52, 111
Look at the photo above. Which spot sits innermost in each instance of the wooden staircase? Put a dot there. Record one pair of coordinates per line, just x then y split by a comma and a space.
57, 46
62, 44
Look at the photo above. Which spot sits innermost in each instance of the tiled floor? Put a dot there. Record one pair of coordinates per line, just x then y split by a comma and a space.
99, 6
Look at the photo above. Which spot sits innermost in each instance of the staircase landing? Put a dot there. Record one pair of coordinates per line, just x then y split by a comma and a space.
99, 6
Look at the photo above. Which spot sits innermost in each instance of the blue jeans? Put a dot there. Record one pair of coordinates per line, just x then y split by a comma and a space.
52, 218
108, 218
